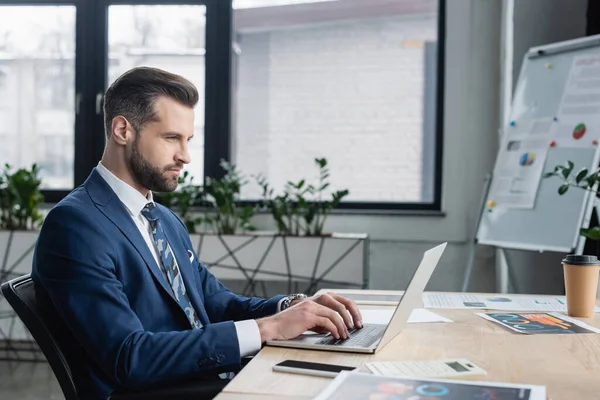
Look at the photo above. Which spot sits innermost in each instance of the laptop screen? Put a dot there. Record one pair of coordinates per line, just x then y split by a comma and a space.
412, 297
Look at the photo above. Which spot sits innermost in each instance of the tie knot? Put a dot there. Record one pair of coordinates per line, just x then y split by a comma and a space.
150, 212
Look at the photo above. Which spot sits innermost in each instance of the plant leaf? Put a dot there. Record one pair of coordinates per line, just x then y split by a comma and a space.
582, 174
566, 171
563, 189
591, 233
591, 179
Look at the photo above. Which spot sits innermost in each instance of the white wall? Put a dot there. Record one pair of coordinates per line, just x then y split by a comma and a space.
349, 90
538, 22
471, 102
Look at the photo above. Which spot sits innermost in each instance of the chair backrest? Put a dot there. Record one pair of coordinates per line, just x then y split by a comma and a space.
20, 294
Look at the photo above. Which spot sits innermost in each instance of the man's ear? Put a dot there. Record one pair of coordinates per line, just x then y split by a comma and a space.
119, 130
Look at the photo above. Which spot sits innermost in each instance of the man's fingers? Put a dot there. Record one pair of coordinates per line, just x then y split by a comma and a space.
325, 323
352, 308
319, 329
331, 302
335, 318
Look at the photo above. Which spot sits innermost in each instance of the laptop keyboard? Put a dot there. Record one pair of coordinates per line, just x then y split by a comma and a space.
363, 337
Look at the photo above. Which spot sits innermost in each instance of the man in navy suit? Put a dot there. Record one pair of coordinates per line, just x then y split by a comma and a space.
122, 274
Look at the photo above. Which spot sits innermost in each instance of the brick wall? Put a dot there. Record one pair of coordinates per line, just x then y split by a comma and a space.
351, 92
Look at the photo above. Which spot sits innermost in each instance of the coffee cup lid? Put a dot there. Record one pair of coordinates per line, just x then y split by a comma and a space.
575, 259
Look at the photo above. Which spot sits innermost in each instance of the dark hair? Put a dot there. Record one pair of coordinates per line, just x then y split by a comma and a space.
134, 94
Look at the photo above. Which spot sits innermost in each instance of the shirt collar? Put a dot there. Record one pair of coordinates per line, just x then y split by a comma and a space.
129, 196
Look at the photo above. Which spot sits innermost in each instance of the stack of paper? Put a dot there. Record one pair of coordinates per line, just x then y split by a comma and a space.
506, 302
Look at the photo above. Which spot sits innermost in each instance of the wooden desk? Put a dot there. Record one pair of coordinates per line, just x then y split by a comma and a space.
568, 365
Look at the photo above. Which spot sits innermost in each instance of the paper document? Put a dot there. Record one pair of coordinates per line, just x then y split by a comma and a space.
383, 316
362, 386
539, 323
373, 298
519, 168
576, 131
506, 302
577, 122
578, 118
444, 368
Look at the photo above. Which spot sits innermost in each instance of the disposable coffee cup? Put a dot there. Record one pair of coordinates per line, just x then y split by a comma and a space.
581, 284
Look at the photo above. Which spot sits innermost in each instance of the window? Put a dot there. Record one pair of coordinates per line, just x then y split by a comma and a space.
6, 149
37, 48
55, 66
4, 71
6, 142
171, 37
57, 164
348, 80
52, 80
281, 82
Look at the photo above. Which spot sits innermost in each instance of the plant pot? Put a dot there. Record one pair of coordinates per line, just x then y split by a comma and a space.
284, 264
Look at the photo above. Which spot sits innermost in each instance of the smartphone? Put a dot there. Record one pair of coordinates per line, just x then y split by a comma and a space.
311, 368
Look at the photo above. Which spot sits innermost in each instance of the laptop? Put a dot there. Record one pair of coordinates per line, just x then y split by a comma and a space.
373, 337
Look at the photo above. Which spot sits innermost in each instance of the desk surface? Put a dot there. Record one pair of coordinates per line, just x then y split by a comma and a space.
568, 365
246, 396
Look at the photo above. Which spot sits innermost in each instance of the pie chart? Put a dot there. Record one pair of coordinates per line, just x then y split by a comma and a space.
526, 159
579, 131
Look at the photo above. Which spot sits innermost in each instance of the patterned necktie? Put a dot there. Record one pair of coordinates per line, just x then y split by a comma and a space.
169, 263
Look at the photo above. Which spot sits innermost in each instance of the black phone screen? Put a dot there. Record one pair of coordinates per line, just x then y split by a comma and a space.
315, 366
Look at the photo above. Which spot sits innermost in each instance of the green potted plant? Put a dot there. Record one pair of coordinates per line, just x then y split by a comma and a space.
20, 220
183, 199
20, 197
583, 180
301, 209
223, 212
299, 251
227, 214
226, 240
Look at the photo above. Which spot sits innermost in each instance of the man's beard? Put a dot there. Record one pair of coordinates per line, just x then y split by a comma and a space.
150, 176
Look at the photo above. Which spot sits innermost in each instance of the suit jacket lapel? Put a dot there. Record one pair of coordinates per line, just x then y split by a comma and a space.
109, 204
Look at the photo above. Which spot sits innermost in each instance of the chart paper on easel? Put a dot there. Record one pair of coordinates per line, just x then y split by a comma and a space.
577, 122
520, 164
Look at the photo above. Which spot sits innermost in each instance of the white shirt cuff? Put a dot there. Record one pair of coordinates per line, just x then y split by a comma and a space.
248, 337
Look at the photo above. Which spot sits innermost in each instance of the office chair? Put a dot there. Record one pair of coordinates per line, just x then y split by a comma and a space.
67, 358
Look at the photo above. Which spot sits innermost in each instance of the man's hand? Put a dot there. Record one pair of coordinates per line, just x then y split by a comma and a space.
300, 318
324, 313
340, 304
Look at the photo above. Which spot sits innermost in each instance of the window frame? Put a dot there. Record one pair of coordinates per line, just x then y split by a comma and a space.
216, 103
217, 121
413, 208
53, 196
91, 69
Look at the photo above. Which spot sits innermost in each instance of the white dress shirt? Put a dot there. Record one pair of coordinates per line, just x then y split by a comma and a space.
247, 331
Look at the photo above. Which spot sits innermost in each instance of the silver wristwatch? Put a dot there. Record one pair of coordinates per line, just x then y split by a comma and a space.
287, 302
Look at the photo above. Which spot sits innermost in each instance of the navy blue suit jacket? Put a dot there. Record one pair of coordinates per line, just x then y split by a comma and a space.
92, 263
